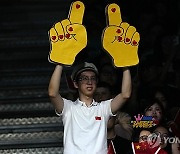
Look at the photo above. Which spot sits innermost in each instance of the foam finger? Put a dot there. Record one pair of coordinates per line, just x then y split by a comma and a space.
76, 12
135, 39
60, 32
53, 35
129, 34
124, 26
65, 23
114, 14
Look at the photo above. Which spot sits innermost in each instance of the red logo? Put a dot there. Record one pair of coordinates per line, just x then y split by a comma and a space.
98, 118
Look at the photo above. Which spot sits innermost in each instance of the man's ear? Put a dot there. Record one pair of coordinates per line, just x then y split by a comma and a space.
75, 84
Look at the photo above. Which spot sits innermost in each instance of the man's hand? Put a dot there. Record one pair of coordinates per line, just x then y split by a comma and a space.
120, 39
68, 37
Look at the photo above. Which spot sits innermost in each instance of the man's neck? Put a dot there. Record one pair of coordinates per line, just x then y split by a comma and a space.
87, 100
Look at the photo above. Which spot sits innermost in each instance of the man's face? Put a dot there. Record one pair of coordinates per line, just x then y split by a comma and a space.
86, 83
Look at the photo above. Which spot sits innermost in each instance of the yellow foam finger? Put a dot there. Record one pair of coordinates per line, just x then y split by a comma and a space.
135, 39
124, 26
68, 42
65, 23
53, 36
60, 32
112, 34
120, 39
78, 32
76, 12
114, 14
129, 34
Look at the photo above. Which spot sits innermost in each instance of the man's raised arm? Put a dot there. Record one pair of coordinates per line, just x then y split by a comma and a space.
126, 88
121, 41
53, 89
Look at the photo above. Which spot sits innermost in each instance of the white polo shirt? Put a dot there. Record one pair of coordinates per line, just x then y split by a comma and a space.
85, 128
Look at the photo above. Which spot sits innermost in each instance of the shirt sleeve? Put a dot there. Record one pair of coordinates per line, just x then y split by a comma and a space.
66, 105
57, 113
107, 105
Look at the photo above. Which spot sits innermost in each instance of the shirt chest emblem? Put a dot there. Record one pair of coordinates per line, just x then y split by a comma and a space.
97, 118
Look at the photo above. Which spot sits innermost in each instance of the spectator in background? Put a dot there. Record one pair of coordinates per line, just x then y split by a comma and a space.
109, 75
123, 127
154, 108
163, 133
150, 107
119, 133
119, 128
143, 135
103, 92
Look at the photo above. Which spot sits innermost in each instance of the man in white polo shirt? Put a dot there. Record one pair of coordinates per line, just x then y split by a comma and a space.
85, 121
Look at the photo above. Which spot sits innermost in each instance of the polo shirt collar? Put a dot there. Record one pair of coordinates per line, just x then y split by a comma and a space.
78, 101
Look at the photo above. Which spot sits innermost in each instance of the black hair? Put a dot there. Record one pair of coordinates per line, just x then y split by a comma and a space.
147, 103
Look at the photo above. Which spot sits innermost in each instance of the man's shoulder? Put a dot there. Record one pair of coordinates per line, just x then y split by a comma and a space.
73, 102
106, 101
68, 101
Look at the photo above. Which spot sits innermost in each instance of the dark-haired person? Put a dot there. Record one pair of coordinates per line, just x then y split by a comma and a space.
85, 120
103, 92
155, 109
163, 134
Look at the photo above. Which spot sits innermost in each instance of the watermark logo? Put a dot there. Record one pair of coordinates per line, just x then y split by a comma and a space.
142, 121
154, 140
172, 140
